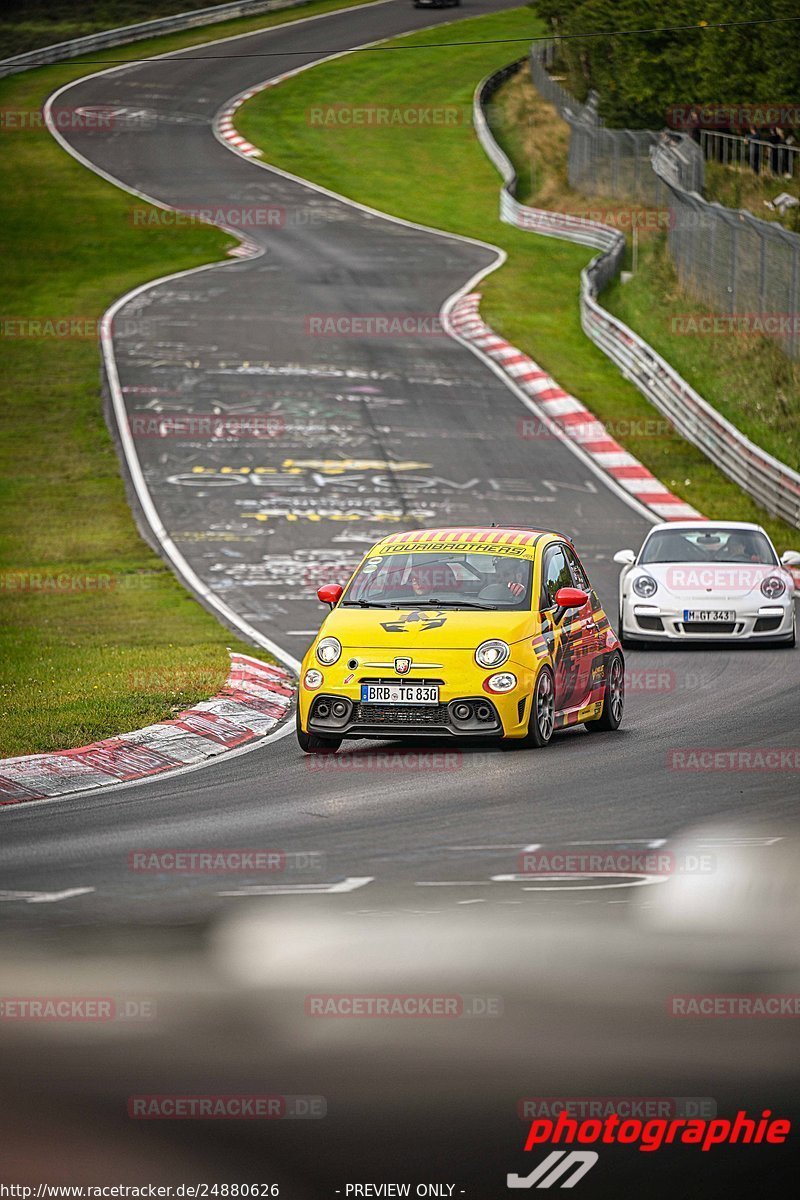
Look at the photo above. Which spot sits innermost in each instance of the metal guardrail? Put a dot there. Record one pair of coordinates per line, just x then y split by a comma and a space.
773, 484
134, 33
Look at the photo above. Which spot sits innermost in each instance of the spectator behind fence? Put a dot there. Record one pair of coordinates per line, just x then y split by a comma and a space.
753, 149
775, 139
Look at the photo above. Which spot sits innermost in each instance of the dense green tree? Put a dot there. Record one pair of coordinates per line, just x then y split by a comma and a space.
641, 76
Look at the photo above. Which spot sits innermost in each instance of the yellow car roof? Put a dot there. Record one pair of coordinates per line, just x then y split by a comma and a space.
475, 539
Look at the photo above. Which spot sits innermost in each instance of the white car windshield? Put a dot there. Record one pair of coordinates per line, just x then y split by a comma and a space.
708, 545
444, 578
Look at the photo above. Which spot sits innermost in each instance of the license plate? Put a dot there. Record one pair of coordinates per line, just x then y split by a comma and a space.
708, 614
399, 693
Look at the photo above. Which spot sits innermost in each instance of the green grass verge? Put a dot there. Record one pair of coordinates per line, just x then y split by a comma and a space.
739, 187
84, 662
440, 176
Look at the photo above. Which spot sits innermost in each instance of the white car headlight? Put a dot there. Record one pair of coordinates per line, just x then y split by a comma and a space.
329, 651
492, 653
772, 587
645, 586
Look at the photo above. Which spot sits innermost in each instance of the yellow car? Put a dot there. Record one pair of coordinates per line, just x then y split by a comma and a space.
487, 632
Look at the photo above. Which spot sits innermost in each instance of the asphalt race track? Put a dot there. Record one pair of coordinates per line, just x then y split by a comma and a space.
372, 435
235, 337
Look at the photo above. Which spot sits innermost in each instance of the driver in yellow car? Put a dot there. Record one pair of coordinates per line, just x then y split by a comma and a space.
511, 572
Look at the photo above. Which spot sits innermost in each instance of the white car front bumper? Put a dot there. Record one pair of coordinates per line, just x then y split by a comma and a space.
646, 621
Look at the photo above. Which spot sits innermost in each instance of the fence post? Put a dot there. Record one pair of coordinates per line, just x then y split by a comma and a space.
734, 256
636, 178
794, 349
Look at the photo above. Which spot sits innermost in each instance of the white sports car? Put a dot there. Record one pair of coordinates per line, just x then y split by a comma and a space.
706, 581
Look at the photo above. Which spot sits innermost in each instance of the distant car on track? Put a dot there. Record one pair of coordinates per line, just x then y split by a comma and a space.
706, 581
435, 3
475, 632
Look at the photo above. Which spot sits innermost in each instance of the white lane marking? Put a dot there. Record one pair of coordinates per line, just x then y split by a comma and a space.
629, 879
453, 883
652, 843
350, 884
634, 881
45, 897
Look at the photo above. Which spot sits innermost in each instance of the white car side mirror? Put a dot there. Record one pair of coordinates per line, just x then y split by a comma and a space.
790, 558
625, 557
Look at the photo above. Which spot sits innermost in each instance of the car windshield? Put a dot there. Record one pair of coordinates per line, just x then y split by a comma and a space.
708, 545
443, 578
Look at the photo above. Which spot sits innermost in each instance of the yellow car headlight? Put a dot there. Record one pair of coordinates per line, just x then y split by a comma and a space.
329, 651
492, 653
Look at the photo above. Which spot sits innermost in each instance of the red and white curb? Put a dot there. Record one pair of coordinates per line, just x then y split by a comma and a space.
227, 130
573, 420
245, 249
256, 697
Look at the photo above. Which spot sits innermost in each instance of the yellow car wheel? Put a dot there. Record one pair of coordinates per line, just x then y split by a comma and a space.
542, 715
613, 699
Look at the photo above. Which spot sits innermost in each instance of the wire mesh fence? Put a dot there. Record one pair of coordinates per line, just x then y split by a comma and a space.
747, 269
602, 161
